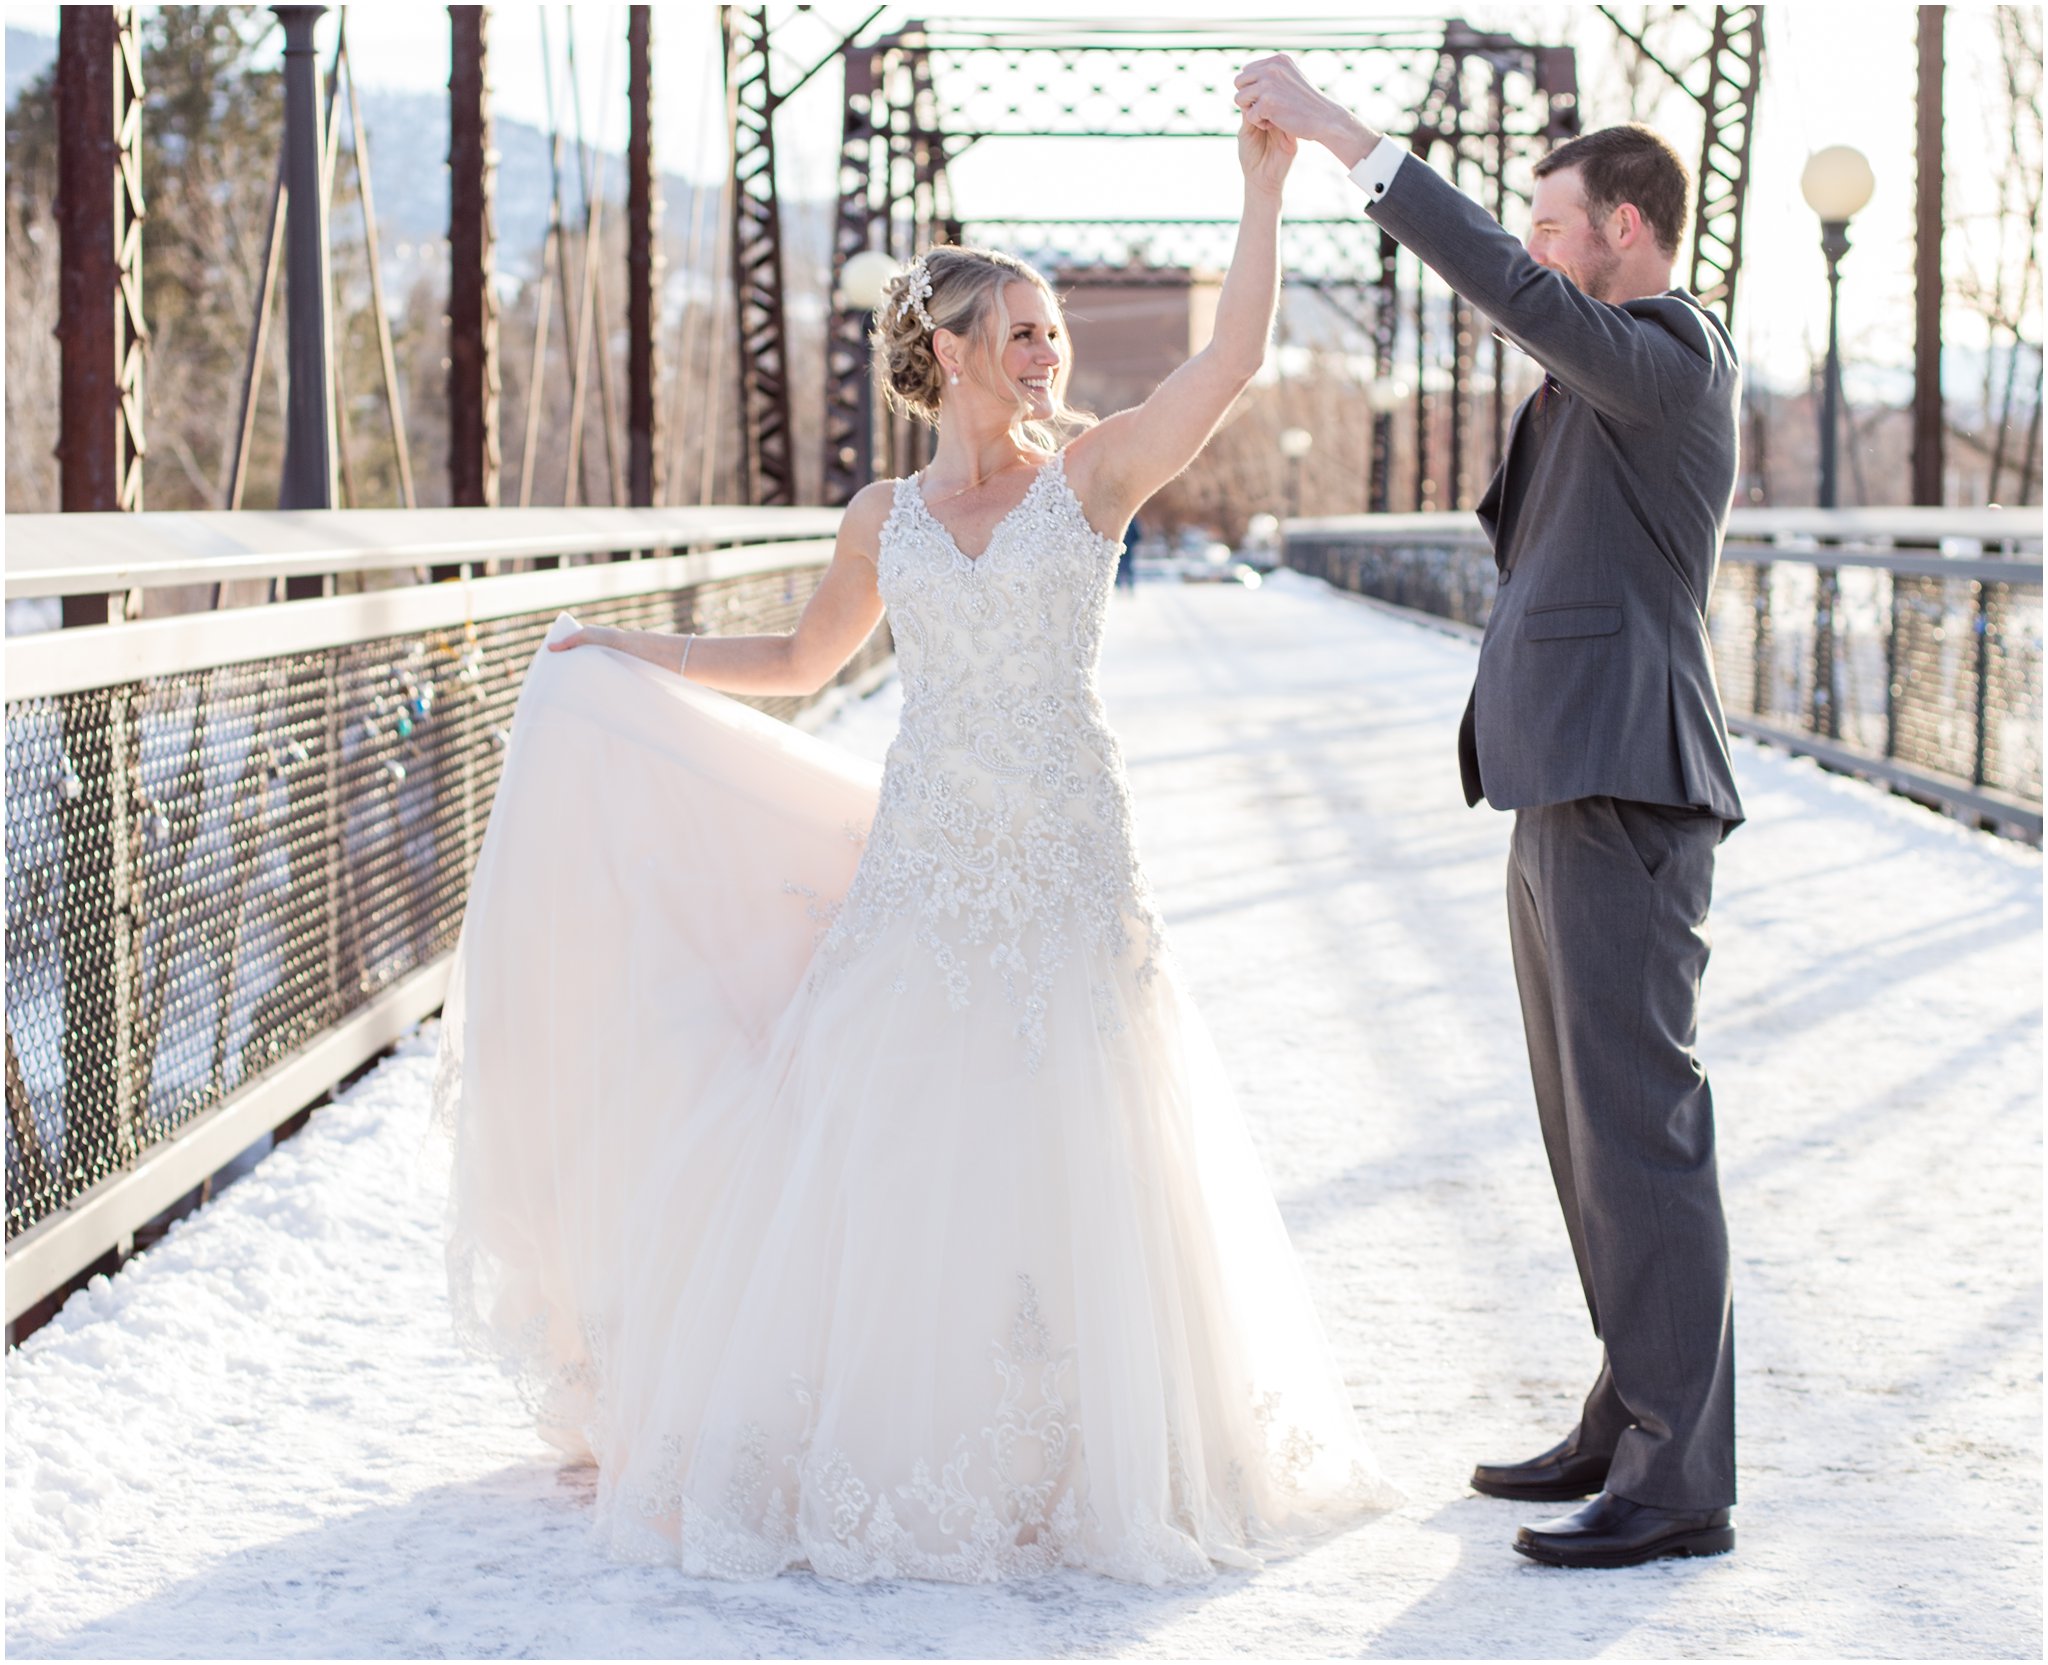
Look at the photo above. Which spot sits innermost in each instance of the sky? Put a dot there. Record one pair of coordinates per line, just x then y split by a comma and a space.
1835, 73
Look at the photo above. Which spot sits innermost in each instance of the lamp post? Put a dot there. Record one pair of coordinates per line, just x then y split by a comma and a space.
1836, 183
861, 282
1295, 444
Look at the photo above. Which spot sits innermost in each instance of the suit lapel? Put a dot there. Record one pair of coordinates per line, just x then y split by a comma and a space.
1496, 513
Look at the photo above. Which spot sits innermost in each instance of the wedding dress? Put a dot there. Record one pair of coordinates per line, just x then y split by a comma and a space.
838, 1164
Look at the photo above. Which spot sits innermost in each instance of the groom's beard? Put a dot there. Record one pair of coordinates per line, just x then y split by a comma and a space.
1596, 277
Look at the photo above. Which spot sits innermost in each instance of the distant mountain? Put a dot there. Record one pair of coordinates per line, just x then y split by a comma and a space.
409, 129
408, 144
28, 55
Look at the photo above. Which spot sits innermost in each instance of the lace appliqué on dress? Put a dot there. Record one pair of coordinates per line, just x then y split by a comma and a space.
1010, 1503
1003, 831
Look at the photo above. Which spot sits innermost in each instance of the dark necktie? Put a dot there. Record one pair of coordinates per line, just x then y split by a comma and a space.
1530, 441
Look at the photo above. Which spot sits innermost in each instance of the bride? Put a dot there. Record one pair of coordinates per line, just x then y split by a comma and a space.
839, 1165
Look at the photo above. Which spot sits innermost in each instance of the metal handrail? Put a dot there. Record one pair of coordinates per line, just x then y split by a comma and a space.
76, 554
1790, 534
98, 656
297, 780
1958, 665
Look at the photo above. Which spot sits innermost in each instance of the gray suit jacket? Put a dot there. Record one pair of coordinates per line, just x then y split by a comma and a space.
1596, 677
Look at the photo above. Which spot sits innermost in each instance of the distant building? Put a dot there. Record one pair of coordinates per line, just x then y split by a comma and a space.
1132, 329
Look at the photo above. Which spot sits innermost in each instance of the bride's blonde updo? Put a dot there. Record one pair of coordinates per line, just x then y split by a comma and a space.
959, 289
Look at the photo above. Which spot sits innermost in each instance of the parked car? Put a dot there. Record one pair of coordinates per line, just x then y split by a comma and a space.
1202, 569
1261, 547
1226, 571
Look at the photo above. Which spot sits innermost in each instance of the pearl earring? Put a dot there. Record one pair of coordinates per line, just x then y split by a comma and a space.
954, 379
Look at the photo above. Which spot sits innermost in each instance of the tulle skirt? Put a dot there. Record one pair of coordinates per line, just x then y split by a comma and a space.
812, 1262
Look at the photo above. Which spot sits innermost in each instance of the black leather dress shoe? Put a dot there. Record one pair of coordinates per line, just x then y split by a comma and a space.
1560, 1474
1611, 1531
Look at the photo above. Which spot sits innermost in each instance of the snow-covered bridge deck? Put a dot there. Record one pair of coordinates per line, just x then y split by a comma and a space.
260, 1439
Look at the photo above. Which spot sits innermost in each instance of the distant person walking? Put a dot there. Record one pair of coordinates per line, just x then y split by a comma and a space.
1127, 557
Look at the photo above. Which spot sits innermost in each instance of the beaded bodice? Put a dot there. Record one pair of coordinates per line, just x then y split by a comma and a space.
1003, 829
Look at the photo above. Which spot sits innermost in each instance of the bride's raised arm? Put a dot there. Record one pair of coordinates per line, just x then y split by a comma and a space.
1125, 458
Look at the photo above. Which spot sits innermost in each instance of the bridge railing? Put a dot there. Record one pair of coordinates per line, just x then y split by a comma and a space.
1903, 645
239, 841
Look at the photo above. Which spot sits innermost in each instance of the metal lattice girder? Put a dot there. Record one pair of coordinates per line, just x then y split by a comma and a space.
1440, 120
474, 455
100, 208
1735, 62
927, 144
768, 464
1465, 111
1075, 79
917, 97
1314, 252
1385, 331
894, 194
849, 400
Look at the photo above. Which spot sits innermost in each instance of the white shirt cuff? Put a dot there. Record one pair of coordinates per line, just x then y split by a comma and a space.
1376, 172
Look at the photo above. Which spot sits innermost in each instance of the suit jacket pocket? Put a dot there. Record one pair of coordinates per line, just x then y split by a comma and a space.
1547, 624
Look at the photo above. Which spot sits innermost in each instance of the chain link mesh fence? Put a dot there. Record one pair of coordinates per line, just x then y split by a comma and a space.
1940, 674
207, 870
1930, 672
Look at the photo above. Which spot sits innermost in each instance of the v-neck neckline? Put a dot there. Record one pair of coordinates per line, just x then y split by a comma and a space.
996, 531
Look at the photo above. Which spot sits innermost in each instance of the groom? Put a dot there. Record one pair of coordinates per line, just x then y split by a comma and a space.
1595, 719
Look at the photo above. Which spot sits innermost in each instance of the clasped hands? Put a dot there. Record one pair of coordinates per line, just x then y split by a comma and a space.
1277, 98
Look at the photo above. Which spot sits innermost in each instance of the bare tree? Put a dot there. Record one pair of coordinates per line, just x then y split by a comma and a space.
32, 358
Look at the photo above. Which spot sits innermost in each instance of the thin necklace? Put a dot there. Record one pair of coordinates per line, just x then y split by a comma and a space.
1014, 462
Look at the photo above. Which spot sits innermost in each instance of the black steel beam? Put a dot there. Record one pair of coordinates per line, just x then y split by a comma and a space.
643, 268
99, 454
309, 454
849, 461
100, 328
1386, 322
475, 450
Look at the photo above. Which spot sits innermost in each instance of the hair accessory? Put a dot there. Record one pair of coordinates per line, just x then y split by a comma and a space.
917, 289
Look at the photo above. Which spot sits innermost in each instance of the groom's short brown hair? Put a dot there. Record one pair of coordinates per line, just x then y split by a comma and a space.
1633, 164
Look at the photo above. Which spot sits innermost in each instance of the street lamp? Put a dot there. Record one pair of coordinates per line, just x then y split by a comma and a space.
1836, 183
863, 278
861, 282
1295, 444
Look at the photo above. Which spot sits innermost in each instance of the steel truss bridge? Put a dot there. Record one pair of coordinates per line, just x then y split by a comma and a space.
916, 97
242, 835
1482, 106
